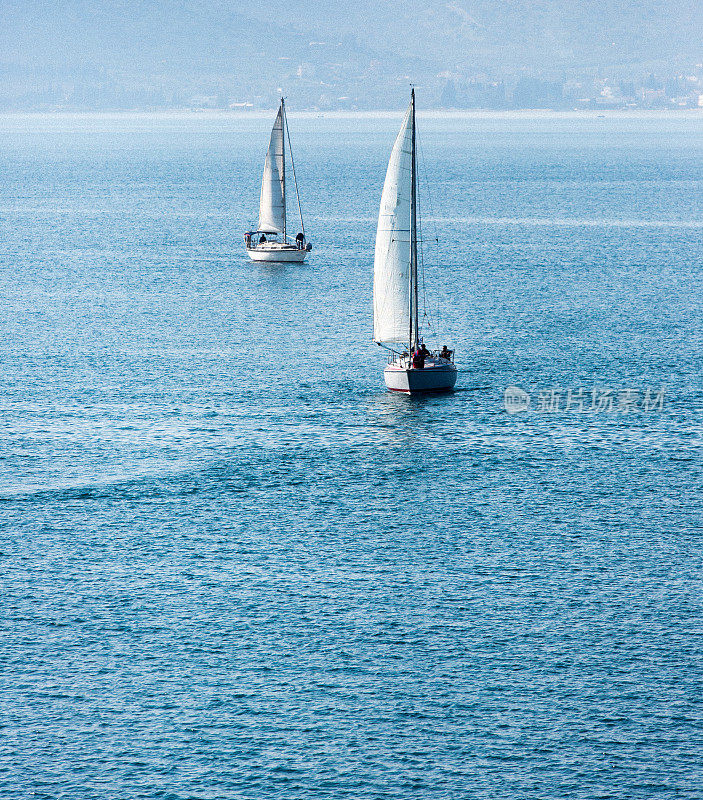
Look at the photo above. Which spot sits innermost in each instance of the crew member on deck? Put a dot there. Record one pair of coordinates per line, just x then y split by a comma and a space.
300, 240
418, 359
446, 353
262, 238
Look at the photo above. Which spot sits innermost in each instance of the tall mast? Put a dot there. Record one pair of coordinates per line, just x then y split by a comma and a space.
414, 327
283, 163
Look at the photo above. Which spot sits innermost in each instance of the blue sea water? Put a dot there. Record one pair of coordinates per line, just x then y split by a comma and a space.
233, 566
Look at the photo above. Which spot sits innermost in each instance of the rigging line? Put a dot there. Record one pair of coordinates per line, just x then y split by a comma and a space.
422, 265
281, 114
420, 238
423, 166
433, 217
435, 306
295, 180
425, 315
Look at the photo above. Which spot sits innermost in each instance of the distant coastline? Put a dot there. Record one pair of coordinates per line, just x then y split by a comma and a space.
522, 113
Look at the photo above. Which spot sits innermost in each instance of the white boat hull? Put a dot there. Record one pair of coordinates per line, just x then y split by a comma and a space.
276, 252
439, 376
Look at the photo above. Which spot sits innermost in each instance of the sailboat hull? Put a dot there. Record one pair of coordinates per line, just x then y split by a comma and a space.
276, 252
435, 377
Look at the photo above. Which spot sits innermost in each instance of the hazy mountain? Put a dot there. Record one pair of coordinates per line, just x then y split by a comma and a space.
123, 52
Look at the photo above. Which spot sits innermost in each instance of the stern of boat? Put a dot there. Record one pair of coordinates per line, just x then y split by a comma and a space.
438, 375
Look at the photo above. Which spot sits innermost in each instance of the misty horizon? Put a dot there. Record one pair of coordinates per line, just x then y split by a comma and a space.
121, 55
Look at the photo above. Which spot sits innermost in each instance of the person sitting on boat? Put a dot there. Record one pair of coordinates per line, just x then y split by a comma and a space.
418, 359
262, 238
247, 239
446, 353
300, 240
425, 352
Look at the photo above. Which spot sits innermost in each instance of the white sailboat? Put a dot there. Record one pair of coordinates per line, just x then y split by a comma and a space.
269, 242
412, 367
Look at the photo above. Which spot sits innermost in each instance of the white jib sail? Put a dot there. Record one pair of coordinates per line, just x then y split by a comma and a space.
272, 212
391, 266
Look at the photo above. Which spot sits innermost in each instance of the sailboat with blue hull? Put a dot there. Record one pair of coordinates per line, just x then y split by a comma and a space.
412, 367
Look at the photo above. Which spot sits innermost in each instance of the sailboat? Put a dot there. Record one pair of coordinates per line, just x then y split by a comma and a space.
264, 243
412, 367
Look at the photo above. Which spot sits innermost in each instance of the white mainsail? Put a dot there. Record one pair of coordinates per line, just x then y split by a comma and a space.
272, 208
391, 267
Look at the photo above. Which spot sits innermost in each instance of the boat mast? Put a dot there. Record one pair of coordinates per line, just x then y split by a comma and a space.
414, 327
283, 164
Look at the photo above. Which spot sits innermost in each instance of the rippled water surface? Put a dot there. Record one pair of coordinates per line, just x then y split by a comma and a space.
233, 566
